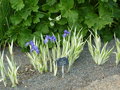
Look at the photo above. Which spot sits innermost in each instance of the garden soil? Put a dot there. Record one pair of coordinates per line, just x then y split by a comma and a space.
84, 74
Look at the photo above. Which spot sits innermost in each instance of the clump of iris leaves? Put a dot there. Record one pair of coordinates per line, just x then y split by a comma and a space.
44, 59
41, 56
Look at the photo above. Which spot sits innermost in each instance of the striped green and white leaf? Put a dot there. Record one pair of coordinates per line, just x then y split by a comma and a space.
117, 53
99, 54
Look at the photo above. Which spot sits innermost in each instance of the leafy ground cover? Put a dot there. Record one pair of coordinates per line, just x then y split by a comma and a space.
82, 75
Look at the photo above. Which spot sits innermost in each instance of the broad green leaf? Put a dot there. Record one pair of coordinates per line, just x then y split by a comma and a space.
45, 7
35, 8
36, 18
104, 10
71, 15
115, 0
16, 19
43, 28
51, 2
66, 4
27, 22
99, 21
62, 21
104, 0
108, 0
24, 36
17, 4
91, 19
116, 12
25, 13
81, 1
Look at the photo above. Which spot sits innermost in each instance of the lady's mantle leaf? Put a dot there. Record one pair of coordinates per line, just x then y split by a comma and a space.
17, 4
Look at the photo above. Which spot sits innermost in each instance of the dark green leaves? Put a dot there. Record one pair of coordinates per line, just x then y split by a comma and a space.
51, 2
37, 17
66, 4
100, 20
108, 0
33, 15
24, 36
42, 28
71, 15
17, 4
81, 1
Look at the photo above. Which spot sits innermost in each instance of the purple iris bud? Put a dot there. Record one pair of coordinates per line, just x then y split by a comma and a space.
64, 35
47, 38
27, 44
36, 49
33, 47
53, 39
66, 32
30, 43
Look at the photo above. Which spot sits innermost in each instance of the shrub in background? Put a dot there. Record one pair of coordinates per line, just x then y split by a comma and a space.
21, 20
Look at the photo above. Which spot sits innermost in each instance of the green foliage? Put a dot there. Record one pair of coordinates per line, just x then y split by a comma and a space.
19, 16
17, 4
99, 53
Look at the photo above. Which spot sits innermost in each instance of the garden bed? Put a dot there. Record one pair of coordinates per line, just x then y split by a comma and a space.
84, 74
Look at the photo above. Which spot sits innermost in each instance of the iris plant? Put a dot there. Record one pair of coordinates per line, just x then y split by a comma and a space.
99, 54
11, 72
40, 60
72, 45
12, 68
117, 42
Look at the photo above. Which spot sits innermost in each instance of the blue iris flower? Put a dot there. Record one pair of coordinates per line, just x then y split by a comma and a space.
66, 32
64, 35
33, 47
51, 38
29, 43
47, 38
